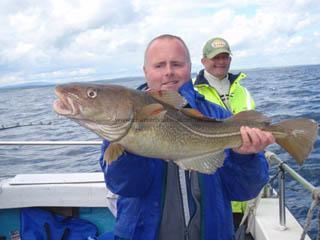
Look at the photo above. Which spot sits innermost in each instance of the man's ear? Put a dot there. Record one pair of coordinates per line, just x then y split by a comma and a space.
203, 60
144, 70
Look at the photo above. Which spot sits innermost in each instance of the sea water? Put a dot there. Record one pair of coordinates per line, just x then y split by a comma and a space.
280, 93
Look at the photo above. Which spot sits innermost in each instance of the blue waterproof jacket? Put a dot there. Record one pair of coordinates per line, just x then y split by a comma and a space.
140, 184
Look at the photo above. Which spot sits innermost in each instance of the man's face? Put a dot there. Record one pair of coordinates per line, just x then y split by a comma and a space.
166, 65
217, 66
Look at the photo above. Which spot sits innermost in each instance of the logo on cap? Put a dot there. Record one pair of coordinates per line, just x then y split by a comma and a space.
218, 43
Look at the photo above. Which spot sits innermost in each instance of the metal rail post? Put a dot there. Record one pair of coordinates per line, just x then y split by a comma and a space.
282, 207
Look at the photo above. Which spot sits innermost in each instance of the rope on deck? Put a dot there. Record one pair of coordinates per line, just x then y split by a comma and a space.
315, 202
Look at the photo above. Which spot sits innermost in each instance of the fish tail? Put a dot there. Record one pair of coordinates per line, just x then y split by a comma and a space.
296, 136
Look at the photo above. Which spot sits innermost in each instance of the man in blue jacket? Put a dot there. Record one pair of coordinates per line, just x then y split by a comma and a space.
157, 200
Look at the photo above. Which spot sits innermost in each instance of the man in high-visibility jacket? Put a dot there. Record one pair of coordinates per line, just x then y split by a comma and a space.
219, 86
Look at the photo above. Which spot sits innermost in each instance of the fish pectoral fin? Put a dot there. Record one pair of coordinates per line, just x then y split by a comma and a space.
112, 153
207, 163
193, 113
169, 97
151, 111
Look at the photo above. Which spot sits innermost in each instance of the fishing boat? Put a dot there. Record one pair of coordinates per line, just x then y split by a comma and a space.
85, 196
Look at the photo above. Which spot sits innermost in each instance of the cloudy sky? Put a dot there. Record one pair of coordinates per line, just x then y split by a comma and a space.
81, 40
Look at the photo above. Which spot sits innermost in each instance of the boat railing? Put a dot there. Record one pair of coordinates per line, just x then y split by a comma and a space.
272, 158
283, 168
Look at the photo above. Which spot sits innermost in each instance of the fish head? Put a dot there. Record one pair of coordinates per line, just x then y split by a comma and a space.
100, 108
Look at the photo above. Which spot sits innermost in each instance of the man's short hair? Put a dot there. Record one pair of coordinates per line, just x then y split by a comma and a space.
167, 36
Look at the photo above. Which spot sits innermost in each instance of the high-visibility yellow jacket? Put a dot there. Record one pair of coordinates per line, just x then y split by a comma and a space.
239, 97
239, 100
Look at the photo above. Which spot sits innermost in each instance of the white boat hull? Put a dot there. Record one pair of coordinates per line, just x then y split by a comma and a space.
88, 192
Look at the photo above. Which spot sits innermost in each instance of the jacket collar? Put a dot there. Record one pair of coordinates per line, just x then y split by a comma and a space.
142, 87
200, 79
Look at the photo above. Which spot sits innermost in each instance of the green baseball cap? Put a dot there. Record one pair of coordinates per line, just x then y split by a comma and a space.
215, 46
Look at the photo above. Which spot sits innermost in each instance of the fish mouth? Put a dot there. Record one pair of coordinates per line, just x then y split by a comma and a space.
65, 104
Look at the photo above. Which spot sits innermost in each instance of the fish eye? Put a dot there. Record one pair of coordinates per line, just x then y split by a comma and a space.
92, 93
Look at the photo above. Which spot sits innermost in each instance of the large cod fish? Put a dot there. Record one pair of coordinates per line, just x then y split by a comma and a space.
155, 124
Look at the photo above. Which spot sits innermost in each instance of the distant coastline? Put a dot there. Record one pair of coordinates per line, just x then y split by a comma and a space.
48, 84
127, 79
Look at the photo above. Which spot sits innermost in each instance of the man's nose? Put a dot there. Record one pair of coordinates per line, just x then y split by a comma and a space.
169, 70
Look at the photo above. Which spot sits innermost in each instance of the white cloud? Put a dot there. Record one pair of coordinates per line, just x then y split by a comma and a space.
6, 80
81, 72
109, 37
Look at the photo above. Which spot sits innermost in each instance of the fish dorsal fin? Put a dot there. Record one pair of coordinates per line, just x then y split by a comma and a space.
193, 113
151, 111
169, 97
251, 115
